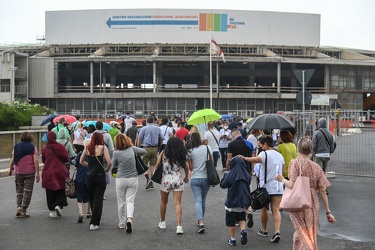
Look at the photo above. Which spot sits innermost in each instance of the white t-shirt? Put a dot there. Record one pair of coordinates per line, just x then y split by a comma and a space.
211, 139
275, 162
128, 122
251, 138
166, 131
223, 143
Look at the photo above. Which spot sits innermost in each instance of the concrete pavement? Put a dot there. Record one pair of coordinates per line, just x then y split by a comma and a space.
351, 201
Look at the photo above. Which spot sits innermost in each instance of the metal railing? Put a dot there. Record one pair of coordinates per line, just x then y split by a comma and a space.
354, 133
9, 138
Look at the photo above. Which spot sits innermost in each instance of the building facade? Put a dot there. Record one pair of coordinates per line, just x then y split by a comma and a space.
107, 62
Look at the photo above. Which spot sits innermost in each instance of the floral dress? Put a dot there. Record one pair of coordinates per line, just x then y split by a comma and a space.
172, 179
306, 221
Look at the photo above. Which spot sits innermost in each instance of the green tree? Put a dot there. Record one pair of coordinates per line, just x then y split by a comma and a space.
17, 113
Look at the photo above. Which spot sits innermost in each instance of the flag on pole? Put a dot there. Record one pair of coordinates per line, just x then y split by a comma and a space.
215, 49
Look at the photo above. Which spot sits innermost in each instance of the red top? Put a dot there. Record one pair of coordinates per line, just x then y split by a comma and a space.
181, 133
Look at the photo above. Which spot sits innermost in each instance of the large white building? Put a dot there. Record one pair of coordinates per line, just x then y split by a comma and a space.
143, 60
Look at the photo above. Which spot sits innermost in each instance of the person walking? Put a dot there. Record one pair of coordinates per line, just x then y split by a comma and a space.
61, 126
150, 136
199, 182
211, 138
114, 131
241, 146
54, 174
26, 168
182, 132
79, 137
166, 131
306, 222
128, 121
274, 162
287, 149
323, 144
132, 132
126, 179
225, 137
67, 144
173, 160
92, 157
81, 189
237, 181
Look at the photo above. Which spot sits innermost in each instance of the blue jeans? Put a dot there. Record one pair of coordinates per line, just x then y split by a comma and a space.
200, 187
216, 155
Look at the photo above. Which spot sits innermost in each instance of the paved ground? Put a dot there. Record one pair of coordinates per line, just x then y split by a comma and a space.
351, 201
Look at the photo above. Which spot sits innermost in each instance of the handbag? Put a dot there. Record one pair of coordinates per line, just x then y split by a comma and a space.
139, 164
260, 196
70, 187
298, 197
212, 175
158, 173
114, 172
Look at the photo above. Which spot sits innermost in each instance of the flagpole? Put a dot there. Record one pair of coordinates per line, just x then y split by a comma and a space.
210, 69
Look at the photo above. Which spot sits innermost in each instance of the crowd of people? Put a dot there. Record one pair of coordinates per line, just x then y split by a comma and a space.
181, 151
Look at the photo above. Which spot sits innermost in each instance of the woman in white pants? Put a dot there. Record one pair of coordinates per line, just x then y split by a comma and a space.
126, 179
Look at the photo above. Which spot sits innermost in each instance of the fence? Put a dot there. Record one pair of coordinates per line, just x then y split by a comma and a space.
9, 138
354, 133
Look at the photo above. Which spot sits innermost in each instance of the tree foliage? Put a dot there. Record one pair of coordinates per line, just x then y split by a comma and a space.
17, 113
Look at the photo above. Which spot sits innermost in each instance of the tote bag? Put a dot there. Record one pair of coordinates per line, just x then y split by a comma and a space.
139, 164
70, 187
212, 175
158, 172
298, 197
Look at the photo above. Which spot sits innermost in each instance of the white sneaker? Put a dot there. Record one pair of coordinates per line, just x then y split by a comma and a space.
58, 211
121, 226
162, 225
93, 227
52, 214
179, 230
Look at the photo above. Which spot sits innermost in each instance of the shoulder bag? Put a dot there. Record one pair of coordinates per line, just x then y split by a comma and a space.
67, 164
158, 173
139, 164
212, 175
70, 187
260, 196
334, 143
298, 197
214, 137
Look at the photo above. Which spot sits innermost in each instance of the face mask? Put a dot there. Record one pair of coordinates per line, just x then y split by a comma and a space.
225, 127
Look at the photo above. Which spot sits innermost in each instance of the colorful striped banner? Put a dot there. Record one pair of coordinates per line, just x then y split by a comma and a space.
213, 22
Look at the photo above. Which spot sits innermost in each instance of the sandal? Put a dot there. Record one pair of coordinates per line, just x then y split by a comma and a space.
80, 218
18, 213
24, 215
88, 215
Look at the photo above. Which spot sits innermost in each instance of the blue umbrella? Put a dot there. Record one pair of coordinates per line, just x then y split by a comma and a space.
226, 117
106, 126
48, 119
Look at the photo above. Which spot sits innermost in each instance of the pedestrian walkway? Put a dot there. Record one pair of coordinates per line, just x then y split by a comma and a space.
348, 201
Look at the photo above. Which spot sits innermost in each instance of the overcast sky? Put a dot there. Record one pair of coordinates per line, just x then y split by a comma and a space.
344, 23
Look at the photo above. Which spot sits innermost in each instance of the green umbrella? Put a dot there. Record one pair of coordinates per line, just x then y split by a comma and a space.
203, 116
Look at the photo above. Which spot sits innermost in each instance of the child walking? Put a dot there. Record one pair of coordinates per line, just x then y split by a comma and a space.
237, 181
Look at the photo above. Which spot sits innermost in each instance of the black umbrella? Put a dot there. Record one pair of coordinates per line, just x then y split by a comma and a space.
270, 121
48, 119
